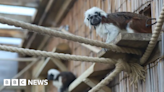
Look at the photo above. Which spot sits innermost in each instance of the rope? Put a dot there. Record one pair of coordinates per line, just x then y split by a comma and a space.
109, 78
154, 38
56, 55
53, 32
135, 71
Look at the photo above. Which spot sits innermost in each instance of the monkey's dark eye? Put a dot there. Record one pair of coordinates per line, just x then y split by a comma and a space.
98, 13
88, 18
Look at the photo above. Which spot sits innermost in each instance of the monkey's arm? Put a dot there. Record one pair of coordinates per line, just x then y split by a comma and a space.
111, 32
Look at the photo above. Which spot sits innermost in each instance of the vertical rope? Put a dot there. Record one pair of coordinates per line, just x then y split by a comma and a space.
154, 38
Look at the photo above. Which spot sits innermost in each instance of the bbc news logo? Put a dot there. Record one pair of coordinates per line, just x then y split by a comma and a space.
23, 82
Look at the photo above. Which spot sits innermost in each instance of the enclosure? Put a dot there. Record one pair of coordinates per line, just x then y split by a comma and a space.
67, 17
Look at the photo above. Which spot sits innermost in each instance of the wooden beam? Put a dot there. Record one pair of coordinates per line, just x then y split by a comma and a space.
39, 18
14, 87
40, 11
93, 82
19, 59
79, 80
40, 69
25, 3
101, 70
28, 75
23, 18
20, 73
62, 10
59, 64
37, 68
132, 40
44, 41
12, 33
94, 71
92, 48
35, 88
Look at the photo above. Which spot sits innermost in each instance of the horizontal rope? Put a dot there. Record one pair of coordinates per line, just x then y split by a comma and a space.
56, 55
56, 33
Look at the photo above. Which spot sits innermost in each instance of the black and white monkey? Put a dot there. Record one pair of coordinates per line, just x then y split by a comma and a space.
109, 25
61, 80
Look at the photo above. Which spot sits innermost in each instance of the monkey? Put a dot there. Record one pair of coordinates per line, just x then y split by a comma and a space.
61, 80
108, 26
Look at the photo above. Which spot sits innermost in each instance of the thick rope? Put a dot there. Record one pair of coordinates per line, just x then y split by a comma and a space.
109, 78
56, 55
136, 74
135, 71
53, 32
154, 38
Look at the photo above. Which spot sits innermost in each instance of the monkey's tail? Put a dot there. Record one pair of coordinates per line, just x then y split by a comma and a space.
147, 25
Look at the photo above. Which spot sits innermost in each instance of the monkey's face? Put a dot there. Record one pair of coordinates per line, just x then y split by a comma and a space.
94, 19
93, 16
52, 74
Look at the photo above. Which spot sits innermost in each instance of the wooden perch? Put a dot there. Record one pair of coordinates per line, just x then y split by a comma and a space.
135, 40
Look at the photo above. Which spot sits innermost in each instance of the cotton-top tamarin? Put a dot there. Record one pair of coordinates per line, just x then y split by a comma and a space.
109, 25
61, 80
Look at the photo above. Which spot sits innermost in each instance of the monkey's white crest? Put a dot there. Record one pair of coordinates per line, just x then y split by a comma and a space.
54, 72
92, 11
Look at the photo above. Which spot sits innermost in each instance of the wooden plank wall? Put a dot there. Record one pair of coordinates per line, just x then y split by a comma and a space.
74, 18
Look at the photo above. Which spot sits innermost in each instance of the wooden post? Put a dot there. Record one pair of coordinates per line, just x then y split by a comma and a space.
41, 67
28, 75
19, 59
162, 63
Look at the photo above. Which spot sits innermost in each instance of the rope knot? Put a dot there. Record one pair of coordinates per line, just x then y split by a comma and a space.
136, 74
135, 71
123, 65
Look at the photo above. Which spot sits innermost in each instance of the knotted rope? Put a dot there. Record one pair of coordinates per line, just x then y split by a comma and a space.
72, 37
137, 71
134, 70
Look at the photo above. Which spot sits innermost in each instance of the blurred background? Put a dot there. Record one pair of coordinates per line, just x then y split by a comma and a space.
23, 10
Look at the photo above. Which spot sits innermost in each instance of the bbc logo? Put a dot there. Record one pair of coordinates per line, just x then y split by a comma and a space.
14, 82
